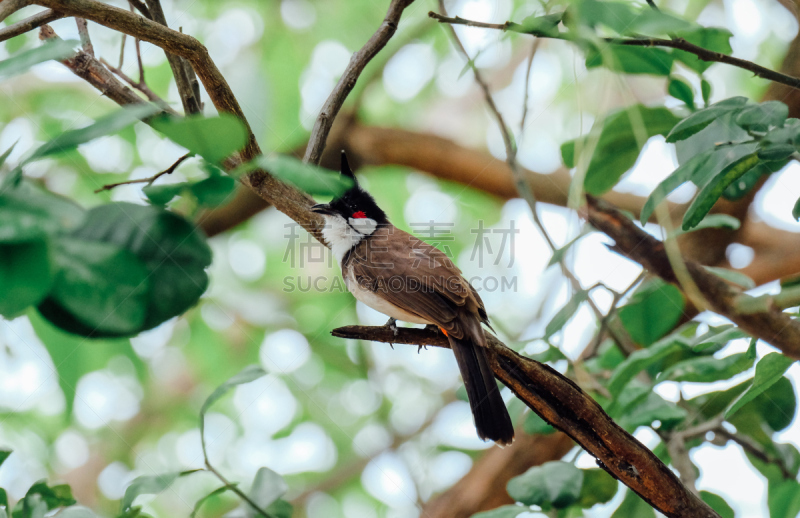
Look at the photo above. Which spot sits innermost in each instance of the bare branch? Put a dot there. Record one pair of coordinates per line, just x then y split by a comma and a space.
677, 43
560, 402
771, 325
148, 180
534, 48
141, 86
359, 60
28, 24
83, 31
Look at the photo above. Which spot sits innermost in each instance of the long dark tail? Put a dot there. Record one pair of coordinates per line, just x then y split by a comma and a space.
488, 409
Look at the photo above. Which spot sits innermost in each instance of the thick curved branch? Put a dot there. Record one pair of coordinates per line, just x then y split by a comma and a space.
359, 60
563, 404
772, 326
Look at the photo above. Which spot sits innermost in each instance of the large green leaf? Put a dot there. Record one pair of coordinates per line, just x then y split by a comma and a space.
540, 26
714, 188
214, 190
104, 286
534, 424
680, 88
111, 123
648, 408
760, 117
617, 16
631, 60
41, 497
678, 177
633, 506
783, 499
642, 359
718, 504
213, 138
707, 368
51, 49
768, 371
309, 178
653, 310
598, 488
711, 38
28, 212
702, 118
173, 250
553, 484
620, 138
26, 275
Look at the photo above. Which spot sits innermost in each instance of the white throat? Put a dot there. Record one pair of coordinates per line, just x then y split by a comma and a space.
344, 235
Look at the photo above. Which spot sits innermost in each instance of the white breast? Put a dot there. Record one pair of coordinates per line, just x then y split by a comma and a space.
378, 303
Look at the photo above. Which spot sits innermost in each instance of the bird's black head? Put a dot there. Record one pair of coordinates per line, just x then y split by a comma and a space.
355, 203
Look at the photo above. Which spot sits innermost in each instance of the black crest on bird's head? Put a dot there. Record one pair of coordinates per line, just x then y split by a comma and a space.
356, 202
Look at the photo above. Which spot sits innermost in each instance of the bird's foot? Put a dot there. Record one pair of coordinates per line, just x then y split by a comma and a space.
392, 324
420, 347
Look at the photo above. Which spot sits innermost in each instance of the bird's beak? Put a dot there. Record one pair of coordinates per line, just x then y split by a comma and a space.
322, 208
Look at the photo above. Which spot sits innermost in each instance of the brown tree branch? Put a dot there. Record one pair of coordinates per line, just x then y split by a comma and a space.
772, 326
564, 405
359, 60
30, 23
83, 32
9, 7
677, 43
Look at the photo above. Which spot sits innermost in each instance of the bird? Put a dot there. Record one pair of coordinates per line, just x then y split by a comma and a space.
410, 280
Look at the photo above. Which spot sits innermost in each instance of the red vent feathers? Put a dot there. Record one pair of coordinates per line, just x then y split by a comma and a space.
359, 215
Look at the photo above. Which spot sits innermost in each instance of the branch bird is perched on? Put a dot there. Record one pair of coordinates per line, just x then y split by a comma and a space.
407, 279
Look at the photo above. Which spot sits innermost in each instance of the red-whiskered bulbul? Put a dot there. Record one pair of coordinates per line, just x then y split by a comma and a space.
407, 279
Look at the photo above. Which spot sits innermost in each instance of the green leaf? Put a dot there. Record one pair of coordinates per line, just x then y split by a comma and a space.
28, 212
788, 134
642, 359
653, 310
738, 189
278, 509
559, 253
796, 210
553, 484
309, 178
171, 248
102, 285
564, 314
506, 511
716, 338
705, 88
41, 497
268, 487
246, 375
760, 117
598, 488
712, 221
534, 424
164, 193
633, 506
776, 405
721, 135
678, 177
150, 485
712, 190
651, 407
711, 38
540, 26
617, 16
199, 503
706, 369
631, 60
657, 23
213, 138
732, 276
768, 371
680, 89
214, 190
775, 152
621, 137
783, 499
3, 456
6, 154
26, 275
104, 126
718, 504
702, 118
52, 49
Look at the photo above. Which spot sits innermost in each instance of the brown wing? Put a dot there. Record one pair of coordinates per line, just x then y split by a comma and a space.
420, 279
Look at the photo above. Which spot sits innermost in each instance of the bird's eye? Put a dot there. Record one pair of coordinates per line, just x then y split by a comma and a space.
358, 215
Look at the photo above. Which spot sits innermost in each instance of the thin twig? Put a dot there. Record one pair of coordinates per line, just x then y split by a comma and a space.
28, 24
359, 60
232, 487
138, 46
142, 87
148, 180
677, 43
534, 48
605, 322
755, 450
83, 31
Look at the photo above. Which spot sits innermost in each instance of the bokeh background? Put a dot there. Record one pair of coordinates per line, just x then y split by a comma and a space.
360, 430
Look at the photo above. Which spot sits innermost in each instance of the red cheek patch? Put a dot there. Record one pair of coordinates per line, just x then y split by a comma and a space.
359, 215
